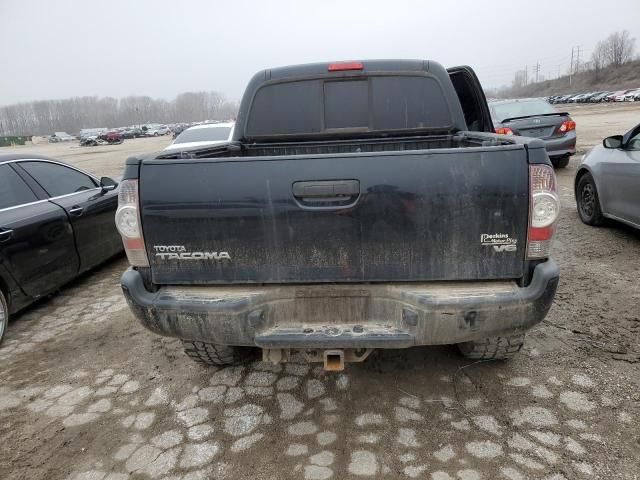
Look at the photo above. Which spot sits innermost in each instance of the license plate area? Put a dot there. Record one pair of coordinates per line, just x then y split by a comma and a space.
331, 305
537, 132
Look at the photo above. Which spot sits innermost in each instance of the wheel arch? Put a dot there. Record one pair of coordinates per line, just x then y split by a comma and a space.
582, 171
10, 289
6, 291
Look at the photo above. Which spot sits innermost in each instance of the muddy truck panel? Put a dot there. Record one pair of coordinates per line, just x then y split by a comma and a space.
408, 216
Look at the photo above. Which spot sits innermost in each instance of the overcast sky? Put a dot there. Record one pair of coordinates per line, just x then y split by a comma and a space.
63, 48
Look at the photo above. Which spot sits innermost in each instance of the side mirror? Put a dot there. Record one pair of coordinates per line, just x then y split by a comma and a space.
107, 184
613, 142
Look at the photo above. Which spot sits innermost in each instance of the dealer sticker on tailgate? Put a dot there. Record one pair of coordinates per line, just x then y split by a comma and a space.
501, 242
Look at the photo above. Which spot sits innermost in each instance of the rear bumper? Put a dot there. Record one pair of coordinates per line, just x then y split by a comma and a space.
345, 315
559, 147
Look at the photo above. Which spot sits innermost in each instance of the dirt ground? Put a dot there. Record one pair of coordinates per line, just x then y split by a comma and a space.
87, 393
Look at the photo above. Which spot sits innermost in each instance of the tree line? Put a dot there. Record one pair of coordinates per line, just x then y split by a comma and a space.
611, 53
43, 117
614, 51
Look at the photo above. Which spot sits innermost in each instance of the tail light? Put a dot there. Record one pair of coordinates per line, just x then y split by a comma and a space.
345, 66
129, 225
567, 126
504, 131
544, 208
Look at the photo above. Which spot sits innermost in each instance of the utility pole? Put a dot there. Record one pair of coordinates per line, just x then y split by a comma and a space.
571, 67
526, 74
578, 59
537, 70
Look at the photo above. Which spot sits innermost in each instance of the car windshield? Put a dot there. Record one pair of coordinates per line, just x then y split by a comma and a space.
210, 134
527, 108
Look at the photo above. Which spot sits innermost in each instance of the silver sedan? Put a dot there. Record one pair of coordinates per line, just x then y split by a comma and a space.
607, 183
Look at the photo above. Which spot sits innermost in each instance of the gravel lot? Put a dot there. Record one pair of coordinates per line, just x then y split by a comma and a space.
87, 393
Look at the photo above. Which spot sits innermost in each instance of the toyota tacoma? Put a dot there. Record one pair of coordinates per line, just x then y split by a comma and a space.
358, 206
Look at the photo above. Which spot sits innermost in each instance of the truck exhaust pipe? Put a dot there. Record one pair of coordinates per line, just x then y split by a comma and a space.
334, 360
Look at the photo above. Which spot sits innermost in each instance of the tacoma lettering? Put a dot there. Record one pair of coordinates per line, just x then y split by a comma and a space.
179, 252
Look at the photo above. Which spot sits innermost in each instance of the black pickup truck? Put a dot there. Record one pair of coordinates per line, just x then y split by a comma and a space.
360, 205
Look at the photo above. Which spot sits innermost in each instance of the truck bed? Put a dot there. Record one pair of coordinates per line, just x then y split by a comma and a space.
460, 140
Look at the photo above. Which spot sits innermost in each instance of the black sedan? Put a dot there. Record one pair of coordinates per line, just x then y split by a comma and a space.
56, 222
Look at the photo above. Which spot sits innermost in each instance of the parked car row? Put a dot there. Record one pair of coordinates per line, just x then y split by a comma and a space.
630, 95
104, 136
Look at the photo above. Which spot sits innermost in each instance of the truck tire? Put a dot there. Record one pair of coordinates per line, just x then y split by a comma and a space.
588, 201
560, 162
494, 348
218, 355
4, 316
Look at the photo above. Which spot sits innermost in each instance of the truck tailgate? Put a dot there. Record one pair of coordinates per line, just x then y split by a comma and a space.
449, 214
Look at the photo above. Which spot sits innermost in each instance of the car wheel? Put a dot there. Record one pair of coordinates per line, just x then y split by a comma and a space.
211, 354
560, 162
155, 134
4, 316
493, 348
588, 201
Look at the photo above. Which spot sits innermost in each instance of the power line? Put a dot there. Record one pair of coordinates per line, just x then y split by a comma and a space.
548, 59
575, 66
577, 61
502, 73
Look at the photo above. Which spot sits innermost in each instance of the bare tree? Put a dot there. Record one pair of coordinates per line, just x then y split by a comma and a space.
619, 48
599, 58
215, 102
191, 106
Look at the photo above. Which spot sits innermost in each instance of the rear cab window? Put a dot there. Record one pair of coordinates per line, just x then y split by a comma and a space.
375, 103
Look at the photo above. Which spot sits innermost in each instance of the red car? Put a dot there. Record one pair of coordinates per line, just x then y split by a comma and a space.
112, 136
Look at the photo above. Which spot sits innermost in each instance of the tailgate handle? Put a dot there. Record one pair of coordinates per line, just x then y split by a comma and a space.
326, 190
